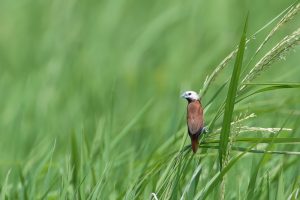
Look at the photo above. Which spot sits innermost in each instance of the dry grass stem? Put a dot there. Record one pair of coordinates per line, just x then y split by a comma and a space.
287, 17
278, 52
260, 129
252, 115
293, 10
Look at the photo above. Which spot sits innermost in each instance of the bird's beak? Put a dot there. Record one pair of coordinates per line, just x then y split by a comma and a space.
182, 95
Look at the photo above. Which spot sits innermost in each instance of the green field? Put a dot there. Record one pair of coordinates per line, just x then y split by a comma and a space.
90, 99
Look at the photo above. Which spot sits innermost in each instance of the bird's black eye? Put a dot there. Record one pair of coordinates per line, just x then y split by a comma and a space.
189, 93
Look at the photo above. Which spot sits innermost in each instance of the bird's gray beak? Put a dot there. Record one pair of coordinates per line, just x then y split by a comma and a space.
182, 95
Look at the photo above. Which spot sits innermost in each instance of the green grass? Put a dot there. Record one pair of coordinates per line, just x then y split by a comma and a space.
230, 99
90, 105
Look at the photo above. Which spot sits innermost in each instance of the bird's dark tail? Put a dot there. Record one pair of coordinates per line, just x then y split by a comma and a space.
195, 144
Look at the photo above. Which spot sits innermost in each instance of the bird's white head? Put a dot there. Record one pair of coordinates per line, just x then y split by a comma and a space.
190, 95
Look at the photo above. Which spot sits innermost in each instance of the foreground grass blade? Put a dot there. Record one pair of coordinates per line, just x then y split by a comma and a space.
23, 184
230, 101
5, 187
75, 159
280, 188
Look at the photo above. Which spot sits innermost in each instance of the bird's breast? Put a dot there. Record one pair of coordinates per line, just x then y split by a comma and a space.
194, 117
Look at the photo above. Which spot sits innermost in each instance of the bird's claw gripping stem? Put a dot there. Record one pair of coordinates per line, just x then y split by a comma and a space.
205, 130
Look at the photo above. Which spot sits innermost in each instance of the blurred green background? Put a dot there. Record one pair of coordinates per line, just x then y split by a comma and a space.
89, 67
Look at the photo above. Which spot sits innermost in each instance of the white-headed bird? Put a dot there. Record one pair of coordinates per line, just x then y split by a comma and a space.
194, 117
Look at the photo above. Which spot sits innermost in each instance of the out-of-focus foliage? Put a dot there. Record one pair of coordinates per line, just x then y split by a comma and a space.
90, 101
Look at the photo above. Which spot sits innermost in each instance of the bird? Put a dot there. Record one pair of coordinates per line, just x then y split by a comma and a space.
195, 120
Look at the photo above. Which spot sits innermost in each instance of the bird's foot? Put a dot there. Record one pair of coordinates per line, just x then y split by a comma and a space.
205, 130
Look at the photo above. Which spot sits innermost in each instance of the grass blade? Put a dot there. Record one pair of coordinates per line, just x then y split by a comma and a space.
188, 186
270, 87
260, 140
75, 159
218, 177
131, 124
242, 149
216, 94
230, 101
280, 187
5, 188
255, 169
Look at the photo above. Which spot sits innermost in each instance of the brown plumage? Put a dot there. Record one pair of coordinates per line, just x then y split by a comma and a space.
194, 118
194, 122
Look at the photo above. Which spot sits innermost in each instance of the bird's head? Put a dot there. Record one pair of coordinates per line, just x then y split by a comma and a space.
190, 96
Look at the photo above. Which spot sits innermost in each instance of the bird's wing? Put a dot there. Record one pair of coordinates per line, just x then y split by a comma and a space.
194, 117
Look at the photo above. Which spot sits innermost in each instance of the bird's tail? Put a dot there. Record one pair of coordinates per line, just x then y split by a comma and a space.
195, 144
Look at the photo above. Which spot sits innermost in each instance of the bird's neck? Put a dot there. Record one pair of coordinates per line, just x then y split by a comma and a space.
192, 100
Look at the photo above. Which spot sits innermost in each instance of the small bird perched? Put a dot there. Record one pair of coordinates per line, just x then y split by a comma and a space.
194, 117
